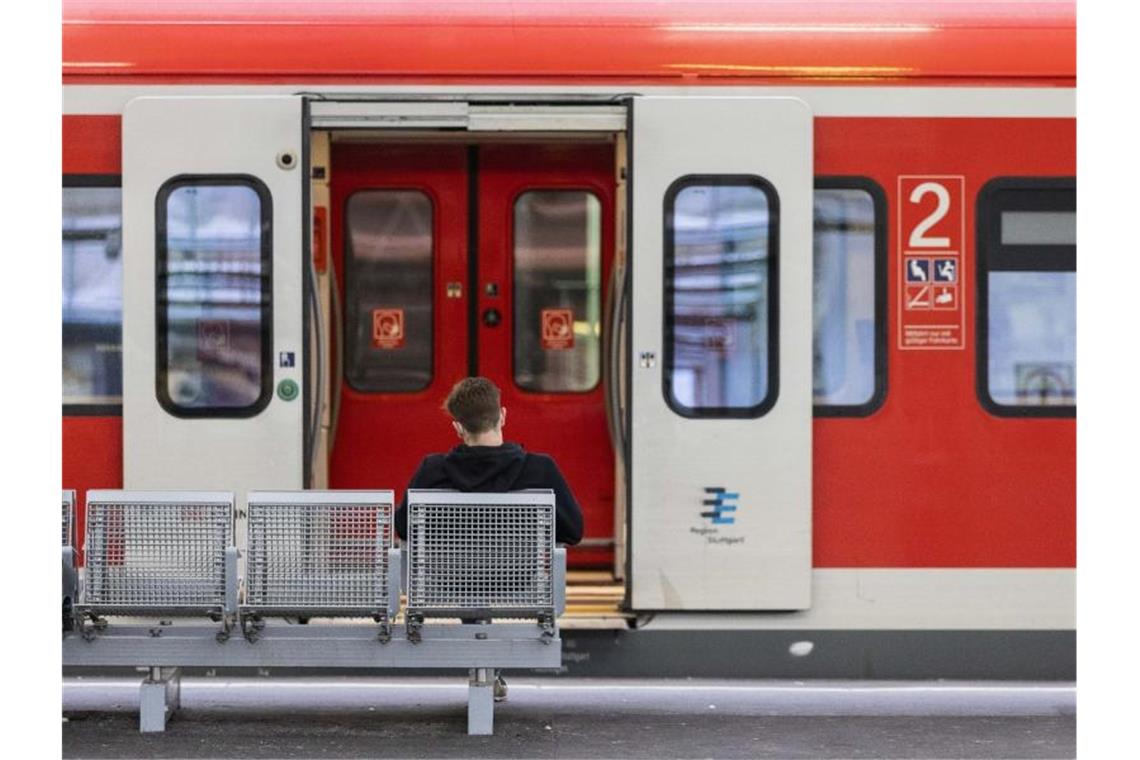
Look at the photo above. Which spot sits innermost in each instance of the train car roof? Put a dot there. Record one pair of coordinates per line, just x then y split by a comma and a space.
451, 40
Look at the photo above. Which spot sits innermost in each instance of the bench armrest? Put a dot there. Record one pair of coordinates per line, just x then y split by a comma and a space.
559, 580
396, 562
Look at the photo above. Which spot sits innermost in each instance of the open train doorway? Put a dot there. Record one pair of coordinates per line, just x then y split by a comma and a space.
474, 258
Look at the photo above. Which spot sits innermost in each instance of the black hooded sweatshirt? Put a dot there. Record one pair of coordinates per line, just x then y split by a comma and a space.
497, 469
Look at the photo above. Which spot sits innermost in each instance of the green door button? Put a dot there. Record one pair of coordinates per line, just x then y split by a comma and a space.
287, 390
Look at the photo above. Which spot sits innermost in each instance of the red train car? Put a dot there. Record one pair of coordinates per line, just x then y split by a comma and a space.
788, 291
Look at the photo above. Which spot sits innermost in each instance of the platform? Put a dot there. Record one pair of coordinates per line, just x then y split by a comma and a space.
385, 717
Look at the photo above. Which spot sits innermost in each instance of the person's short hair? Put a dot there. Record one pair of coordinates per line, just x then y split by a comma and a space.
474, 403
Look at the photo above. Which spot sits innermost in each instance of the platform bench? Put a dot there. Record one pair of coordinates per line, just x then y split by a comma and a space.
316, 555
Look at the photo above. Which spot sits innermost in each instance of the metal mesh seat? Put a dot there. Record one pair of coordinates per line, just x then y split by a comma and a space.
472, 554
319, 553
157, 552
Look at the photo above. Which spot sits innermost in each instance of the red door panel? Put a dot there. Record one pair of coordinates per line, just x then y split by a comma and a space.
383, 433
568, 424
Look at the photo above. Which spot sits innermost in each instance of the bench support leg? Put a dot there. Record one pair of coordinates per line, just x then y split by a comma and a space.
481, 702
159, 697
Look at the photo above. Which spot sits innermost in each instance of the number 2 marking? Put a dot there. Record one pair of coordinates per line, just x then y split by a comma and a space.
918, 237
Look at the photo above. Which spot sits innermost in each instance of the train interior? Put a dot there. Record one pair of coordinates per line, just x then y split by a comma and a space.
440, 256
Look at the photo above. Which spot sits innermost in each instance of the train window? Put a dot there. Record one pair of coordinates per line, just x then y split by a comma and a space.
214, 296
721, 296
388, 279
557, 290
849, 302
1027, 295
92, 295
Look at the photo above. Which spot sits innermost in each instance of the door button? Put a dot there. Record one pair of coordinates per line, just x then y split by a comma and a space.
287, 390
492, 317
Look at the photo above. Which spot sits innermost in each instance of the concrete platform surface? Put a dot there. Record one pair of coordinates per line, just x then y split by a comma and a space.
378, 717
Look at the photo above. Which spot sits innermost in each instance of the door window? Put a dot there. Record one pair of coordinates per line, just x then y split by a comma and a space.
720, 296
557, 290
388, 263
214, 295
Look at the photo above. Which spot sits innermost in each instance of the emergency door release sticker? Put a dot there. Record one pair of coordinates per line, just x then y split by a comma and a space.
557, 329
387, 328
931, 258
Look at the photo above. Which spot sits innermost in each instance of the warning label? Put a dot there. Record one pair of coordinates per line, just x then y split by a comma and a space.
557, 329
931, 259
387, 328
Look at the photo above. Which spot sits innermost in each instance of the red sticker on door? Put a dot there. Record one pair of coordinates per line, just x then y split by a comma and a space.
557, 329
931, 262
387, 328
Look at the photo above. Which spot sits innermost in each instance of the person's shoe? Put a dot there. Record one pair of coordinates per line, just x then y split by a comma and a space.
500, 689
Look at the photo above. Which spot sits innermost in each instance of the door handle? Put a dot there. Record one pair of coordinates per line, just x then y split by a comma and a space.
492, 317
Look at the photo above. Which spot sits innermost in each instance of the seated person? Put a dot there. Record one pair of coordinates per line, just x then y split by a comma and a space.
484, 463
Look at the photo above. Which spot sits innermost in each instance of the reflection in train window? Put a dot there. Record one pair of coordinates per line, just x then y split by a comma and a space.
214, 296
1027, 297
557, 290
388, 280
92, 295
720, 296
1032, 338
844, 317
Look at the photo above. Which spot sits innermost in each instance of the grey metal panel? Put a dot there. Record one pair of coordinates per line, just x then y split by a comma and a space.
157, 550
326, 114
484, 554
316, 646
681, 559
547, 118
319, 552
470, 117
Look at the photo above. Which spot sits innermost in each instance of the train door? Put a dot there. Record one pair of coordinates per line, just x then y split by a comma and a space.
399, 237
481, 259
721, 343
545, 249
215, 273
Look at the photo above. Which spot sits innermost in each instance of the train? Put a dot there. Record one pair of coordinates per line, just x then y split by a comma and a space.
787, 290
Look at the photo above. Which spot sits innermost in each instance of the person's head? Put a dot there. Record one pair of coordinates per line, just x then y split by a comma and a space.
476, 413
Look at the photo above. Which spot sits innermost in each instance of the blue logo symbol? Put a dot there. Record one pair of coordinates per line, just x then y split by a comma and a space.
722, 503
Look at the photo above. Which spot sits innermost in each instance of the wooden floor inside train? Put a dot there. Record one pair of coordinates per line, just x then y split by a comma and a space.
594, 600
